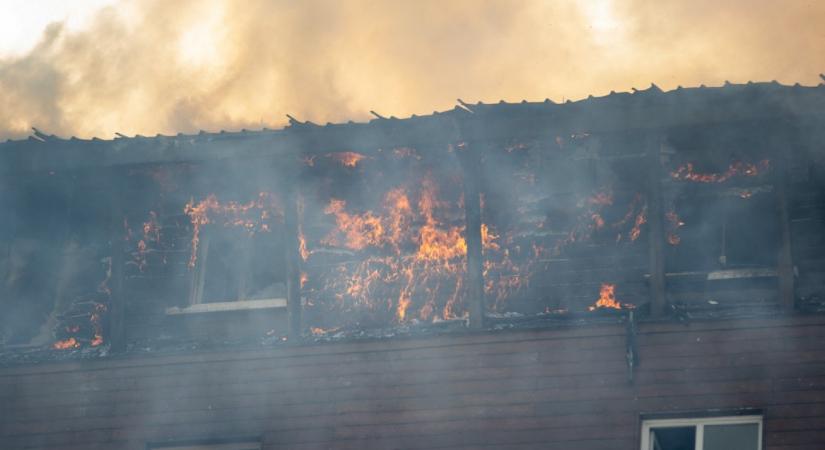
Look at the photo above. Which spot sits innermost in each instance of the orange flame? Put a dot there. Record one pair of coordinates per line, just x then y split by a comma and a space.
488, 238
97, 340
151, 233
436, 264
641, 219
66, 344
359, 230
302, 245
607, 298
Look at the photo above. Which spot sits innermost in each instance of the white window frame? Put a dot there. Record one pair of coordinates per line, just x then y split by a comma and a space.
699, 423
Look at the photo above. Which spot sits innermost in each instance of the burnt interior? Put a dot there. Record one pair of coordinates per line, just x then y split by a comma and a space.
568, 230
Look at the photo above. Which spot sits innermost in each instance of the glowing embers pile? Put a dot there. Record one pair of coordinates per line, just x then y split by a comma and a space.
254, 216
405, 260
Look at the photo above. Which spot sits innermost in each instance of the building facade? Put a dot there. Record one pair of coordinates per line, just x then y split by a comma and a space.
641, 270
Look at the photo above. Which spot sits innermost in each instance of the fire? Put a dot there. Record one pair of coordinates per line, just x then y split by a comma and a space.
673, 225
302, 244
66, 344
641, 219
436, 243
598, 221
354, 232
302, 240
410, 258
95, 317
347, 159
607, 298
488, 238
318, 331
253, 216
97, 340
151, 233
686, 172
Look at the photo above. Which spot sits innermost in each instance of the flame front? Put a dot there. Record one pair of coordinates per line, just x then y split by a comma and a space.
408, 256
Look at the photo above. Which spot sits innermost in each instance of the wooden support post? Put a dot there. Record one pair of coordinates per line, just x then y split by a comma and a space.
784, 261
656, 237
117, 298
197, 274
293, 262
471, 166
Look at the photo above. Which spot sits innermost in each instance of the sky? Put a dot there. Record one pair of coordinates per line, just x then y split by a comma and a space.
96, 67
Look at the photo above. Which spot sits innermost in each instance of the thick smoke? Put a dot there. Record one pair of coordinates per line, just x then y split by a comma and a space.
162, 67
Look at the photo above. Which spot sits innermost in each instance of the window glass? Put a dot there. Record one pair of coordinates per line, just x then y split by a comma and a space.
732, 437
673, 438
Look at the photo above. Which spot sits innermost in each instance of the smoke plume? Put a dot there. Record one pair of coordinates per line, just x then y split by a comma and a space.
156, 66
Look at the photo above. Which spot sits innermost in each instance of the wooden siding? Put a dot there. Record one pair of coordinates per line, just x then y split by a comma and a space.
550, 388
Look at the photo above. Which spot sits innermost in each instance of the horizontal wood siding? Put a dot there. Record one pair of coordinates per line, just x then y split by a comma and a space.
552, 389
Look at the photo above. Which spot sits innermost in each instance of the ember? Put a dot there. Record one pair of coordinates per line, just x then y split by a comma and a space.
673, 225
686, 172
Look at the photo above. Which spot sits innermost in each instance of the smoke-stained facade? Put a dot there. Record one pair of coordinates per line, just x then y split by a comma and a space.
476, 277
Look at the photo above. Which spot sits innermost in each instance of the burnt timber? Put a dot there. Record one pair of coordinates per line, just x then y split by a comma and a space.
726, 321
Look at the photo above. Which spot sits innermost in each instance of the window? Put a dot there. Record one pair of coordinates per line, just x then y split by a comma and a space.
237, 271
235, 266
709, 433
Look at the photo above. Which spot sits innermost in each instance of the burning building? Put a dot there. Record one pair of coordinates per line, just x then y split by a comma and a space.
641, 270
